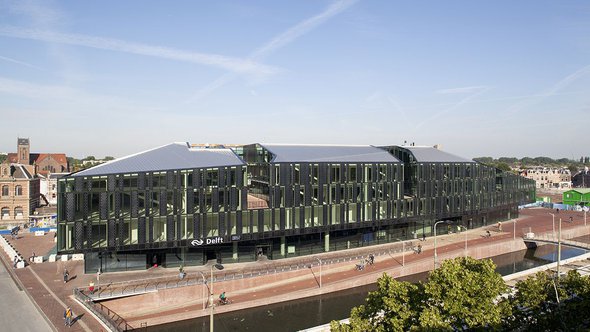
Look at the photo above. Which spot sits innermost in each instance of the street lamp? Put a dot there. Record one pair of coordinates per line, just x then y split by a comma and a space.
204, 284
435, 255
219, 267
514, 230
320, 261
558, 248
553, 223
465, 234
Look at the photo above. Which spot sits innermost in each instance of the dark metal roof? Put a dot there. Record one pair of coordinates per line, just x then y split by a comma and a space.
173, 156
433, 155
328, 153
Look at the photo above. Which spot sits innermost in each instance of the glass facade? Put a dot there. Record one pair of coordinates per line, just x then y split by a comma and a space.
234, 213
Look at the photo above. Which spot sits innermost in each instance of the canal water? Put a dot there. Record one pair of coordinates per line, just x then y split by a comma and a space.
318, 310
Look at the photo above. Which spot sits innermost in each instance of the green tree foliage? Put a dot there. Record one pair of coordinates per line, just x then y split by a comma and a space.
107, 158
3, 157
484, 160
460, 294
463, 293
503, 167
508, 160
544, 303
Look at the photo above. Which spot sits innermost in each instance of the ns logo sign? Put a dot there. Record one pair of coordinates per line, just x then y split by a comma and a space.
200, 242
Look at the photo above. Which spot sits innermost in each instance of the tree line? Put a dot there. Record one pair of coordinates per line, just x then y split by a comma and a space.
508, 163
78, 164
465, 294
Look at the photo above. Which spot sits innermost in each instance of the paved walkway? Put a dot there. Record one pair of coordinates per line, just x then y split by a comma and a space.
45, 284
18, 312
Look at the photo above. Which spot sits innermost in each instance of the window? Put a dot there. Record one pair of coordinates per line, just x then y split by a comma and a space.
4, 190
18, 190
18, 212
5, 213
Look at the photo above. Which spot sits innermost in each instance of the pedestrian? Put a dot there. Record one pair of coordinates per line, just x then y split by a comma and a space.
499, 226
423, 236
419, 248
371, 259
15, 261
68, 317
571, 219
33, 257
66, 275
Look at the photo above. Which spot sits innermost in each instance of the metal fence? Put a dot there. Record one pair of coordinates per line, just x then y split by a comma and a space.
141, 286
106, 315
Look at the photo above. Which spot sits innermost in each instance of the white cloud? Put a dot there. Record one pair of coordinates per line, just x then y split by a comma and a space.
553, 90
20, 63
468, 89
225, 62
279, 41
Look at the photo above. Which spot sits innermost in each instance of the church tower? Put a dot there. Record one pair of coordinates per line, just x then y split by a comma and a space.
23, 151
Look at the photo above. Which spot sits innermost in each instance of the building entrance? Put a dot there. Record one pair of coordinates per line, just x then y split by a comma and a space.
156, 259
264, 250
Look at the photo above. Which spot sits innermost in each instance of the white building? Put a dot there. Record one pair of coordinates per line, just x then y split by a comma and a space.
549, 178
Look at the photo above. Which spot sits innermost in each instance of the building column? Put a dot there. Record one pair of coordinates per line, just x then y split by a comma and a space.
327, 242
235, 251
283, 246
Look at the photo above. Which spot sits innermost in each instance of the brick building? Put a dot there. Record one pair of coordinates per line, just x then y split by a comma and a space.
19, 192
21, 175
42, 163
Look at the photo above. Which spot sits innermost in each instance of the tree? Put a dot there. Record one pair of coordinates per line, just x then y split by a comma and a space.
573, 169
394, 306
107, 158
503, 167
484, 160
89, 158
462, 293
508, 160
527, 161
3, 157
536, 304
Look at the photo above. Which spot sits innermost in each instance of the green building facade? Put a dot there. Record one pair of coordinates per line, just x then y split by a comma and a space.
579, 196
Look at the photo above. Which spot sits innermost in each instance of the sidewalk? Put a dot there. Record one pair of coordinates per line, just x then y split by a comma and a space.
51, 294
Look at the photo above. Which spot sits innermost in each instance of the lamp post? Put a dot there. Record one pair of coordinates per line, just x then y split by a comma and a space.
558, 248
514, 230
320, 261
219, 267
435, 254
98, 273
403, 253
204, 284
553, 223
465, 234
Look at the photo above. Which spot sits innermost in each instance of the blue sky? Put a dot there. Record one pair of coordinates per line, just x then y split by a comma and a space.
494, 78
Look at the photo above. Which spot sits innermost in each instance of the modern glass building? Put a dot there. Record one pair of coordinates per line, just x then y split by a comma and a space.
184, 205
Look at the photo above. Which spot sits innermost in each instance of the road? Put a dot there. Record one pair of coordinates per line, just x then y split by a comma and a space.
19, 314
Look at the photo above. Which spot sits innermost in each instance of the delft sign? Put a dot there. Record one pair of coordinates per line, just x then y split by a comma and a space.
207, 241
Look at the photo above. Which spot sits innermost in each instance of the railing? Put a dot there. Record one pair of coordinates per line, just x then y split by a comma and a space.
550, 238
113, 321
141, 286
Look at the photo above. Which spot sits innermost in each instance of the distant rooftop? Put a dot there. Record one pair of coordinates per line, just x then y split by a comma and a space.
174, 156
328, 153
